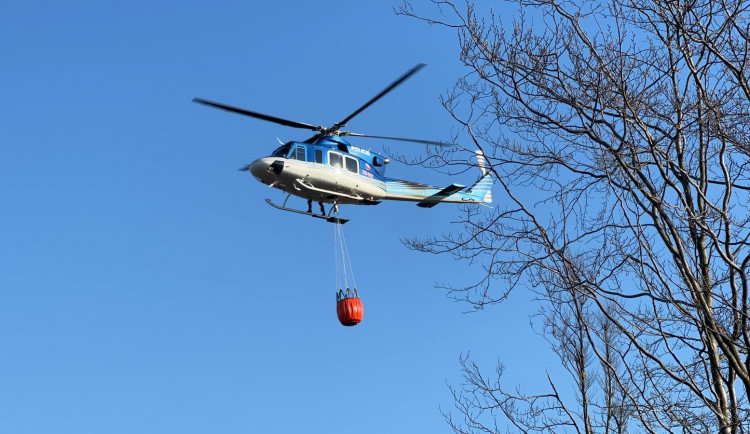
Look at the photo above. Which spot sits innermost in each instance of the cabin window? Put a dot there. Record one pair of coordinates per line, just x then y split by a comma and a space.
351, 164
319, 156
335, 160
299, 153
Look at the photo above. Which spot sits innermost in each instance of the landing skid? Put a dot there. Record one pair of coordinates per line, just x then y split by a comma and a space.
328, 218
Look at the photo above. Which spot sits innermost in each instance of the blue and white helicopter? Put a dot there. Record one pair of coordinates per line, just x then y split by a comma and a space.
326, 168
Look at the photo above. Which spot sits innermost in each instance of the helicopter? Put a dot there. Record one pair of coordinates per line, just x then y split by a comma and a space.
327, 168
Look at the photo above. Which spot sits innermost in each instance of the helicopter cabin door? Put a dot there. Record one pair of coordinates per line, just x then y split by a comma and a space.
347, 168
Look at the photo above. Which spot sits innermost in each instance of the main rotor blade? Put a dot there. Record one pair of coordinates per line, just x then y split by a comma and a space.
402, 139
265, 117
400, 80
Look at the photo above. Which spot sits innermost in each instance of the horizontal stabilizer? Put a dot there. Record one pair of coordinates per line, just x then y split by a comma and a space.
433, 200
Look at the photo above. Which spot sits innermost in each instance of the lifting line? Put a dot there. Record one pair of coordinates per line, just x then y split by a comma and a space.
344, 272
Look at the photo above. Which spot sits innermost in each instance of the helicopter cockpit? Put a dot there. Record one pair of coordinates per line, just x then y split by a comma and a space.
282, 150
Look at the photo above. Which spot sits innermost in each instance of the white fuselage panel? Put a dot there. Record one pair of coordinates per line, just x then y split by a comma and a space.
318, 182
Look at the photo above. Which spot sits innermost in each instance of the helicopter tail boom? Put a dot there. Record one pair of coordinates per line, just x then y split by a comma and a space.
428, 196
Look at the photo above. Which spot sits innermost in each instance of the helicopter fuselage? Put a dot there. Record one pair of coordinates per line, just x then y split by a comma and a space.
329, 170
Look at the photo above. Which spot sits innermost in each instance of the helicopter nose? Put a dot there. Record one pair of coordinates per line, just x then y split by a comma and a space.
265, 169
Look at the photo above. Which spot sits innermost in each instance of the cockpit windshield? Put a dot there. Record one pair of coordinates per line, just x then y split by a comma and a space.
282, 150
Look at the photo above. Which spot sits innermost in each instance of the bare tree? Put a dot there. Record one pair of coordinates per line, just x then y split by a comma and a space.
619, 133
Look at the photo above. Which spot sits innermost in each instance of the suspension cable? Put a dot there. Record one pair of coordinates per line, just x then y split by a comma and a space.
344, 271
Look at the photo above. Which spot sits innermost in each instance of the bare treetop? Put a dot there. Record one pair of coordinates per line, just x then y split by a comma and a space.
620, 134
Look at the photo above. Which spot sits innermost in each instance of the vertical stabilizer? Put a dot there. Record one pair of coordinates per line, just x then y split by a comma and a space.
486, 181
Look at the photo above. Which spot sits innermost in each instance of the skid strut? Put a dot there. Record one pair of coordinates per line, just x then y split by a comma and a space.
330, 217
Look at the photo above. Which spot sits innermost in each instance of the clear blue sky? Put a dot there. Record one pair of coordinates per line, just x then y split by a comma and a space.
145, 286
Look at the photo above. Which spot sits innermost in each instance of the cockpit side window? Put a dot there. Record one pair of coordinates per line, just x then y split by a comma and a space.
336, 160
299, 153
319, 156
